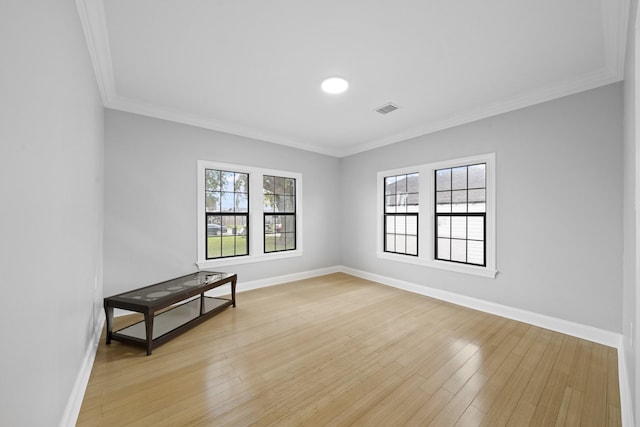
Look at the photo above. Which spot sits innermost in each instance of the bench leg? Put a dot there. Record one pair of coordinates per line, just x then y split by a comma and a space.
148, 323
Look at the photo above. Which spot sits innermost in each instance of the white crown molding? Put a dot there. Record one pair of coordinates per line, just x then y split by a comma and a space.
582, 83
615, 17
615, 22
94, 26
156, 111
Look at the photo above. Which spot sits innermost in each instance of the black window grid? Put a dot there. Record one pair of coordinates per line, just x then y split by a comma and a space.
466, 215
281, 236
395, 195
231, 217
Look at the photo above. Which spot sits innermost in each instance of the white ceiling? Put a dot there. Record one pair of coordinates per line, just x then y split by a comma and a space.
254, 67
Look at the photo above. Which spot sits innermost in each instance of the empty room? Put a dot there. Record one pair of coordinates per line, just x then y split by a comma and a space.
319, 213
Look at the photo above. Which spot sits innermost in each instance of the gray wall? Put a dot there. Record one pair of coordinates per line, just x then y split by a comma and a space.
559, 205
150, 199
51, 157
630, 216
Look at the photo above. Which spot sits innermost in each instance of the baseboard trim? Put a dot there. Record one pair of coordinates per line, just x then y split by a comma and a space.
72, 410
626, 404
577, 330
278, 280
590, 333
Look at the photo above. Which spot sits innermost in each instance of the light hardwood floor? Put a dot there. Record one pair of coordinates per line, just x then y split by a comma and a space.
339, 350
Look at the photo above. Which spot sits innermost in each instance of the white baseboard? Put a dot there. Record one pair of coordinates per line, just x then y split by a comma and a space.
72, 410
577, 330
278, 280
626, 404
590, 333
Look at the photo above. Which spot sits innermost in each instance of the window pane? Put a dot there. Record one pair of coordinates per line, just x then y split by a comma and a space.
401, 203
290, 223
477, 176
214, 246
242, 203
475, 252
242, 183
412, 225
268, 184
412, 245
289, 204
242, 246
241, 226
391, 224
400, 225
212, 180
412, 202
459, 178
400, 243
413, 182
475, 226
444, 249
227, 204
390, 242
459, 227
443, 179
290, 241
401, 184
290, 186
444, 226
443, 202
212, 200
390, 204
279, 185
459, 250
228, 181
459, 200
390, 185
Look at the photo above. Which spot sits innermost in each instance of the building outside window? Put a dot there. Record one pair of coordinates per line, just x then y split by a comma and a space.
401, 205
458, 232
461, 214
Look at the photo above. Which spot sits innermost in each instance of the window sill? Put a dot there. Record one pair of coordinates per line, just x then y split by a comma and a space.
249, 259
442, 265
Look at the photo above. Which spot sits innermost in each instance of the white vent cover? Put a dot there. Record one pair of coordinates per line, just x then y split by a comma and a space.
387, 108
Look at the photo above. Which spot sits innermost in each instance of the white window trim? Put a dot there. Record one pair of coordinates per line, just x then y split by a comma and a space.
426, 217
256, 216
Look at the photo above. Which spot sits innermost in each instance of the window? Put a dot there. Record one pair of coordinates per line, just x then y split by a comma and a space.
279, 205
401, 214
227, 213
461, 214
458, 233
247, 214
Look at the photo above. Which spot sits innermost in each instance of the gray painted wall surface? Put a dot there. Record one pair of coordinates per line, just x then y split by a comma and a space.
150, 199
51, 168
559, 205
630, 216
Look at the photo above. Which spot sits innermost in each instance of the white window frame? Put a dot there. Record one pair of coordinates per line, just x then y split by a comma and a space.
256, 216
426, 218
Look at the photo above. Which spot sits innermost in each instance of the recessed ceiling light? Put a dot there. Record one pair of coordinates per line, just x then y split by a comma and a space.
335, 85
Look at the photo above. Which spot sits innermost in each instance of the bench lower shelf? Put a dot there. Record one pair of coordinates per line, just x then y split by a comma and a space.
173, 321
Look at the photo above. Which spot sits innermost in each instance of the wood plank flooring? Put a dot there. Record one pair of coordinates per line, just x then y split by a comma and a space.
338, 350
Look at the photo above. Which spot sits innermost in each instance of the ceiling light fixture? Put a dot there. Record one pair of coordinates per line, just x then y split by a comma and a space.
335, 85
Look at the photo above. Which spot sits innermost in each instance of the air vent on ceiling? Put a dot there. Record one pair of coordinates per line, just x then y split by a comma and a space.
387, 108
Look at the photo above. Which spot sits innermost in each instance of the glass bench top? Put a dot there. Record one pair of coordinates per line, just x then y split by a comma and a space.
184, 284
